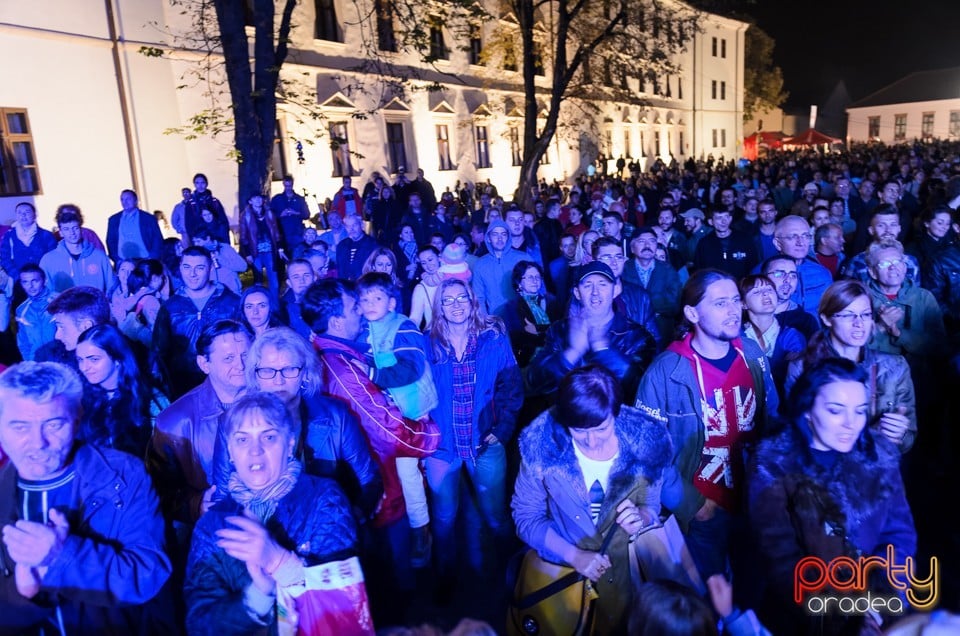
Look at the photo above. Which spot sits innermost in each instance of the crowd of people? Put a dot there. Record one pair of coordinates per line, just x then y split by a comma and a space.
420, 385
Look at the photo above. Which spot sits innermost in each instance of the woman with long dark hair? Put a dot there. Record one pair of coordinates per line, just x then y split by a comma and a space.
826, 486
529, 315
119, 407
847, 316
258, 310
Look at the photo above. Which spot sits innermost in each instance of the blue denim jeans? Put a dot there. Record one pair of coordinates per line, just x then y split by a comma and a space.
264, 261
709, 543
486, 508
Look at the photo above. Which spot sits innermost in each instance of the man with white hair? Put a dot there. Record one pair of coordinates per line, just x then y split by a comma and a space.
83, 534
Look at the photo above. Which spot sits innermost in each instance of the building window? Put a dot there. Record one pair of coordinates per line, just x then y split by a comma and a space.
873, 127
723, 137
327, 27
515, 154
713, 89
18, 161
656, 142
476, 45
714, 137
386, 37
509, 58
900, 126
643, 147
483, 146
713, 48
679, 87
723, 90
926, 126
955, 123
723, 48
668, 93
681, 143
443, 147
396, 147
340, 149
626, 143
438, 47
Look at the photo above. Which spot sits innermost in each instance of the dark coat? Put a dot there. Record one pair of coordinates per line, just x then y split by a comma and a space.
249, 232
631, 351
352, 269
793, 499
514, 314
113, 560
149, 232
181, 452
664, 288
177, 328
313, 521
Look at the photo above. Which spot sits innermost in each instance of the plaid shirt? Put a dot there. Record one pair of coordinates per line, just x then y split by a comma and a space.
464, 379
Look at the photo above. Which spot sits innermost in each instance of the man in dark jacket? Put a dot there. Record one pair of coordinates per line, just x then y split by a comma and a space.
633, 300
82, 545
354, 249
184, 315
133, 233
593, 333
658, 278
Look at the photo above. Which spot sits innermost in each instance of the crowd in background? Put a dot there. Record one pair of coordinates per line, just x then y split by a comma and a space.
430, 381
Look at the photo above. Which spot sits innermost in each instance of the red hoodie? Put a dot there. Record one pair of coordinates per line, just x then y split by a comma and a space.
728, 402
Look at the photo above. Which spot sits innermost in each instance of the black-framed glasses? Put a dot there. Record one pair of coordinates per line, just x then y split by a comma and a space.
266, 373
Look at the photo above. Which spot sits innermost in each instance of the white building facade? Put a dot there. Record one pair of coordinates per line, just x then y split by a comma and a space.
84, 112
921, 106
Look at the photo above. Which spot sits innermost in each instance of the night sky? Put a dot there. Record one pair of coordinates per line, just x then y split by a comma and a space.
868, 44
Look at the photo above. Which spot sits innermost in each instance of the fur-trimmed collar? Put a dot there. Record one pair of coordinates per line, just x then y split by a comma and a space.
645, 450
858, 482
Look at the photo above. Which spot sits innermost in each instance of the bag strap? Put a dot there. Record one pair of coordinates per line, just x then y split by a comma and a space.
564, 581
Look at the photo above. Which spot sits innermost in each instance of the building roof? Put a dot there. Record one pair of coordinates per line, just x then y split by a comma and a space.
921, 86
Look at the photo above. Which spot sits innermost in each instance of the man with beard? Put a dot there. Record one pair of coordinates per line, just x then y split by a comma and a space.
885, 225
717, 390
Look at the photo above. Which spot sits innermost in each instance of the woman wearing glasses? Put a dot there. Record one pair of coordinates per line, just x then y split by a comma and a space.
847, 317
481, 392
528, 316
328, 439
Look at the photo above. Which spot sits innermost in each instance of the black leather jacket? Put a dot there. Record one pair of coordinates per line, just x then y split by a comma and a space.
631, 349
942, 278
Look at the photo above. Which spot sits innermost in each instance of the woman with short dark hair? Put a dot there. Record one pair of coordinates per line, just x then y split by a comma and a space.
590, 464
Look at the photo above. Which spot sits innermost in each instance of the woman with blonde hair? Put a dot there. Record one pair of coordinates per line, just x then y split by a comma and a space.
476, 374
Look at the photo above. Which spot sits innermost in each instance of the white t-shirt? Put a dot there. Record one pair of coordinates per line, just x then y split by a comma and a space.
594, 470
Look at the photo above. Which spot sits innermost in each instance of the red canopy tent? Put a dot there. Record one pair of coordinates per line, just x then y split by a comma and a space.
760, 140
811, 137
